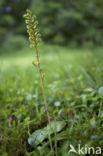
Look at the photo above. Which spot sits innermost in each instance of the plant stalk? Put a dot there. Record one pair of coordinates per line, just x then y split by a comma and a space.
44, 93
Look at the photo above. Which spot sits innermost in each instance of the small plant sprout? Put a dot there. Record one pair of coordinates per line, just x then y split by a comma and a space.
35, 38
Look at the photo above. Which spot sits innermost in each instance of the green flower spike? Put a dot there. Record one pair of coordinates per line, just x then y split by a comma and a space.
33, 31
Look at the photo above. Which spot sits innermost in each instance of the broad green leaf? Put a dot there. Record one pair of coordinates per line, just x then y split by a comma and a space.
93, 122
100, 91
58, 126
39, 135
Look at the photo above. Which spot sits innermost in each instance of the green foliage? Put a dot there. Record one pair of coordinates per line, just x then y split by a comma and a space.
40, 135
72, 97
77, 23
100, 91
70, 21
11, 19
16, 43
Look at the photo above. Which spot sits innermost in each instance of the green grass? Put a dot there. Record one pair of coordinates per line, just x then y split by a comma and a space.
73, 80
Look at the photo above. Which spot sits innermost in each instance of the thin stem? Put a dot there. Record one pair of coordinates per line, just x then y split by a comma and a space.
56, 152
44, 93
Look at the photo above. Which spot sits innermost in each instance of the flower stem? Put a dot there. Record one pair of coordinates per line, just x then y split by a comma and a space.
44, 93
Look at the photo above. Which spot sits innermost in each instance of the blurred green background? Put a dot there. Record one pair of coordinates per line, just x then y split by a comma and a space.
63, 22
